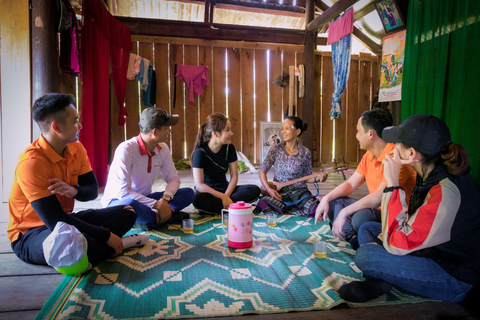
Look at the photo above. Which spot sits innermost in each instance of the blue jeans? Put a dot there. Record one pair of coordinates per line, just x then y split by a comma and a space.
145, 215
353, 223
419, 275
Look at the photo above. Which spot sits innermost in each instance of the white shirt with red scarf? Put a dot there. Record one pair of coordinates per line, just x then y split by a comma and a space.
134, 170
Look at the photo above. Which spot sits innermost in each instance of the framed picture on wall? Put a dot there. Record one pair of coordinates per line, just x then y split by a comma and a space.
270, 135
390, 15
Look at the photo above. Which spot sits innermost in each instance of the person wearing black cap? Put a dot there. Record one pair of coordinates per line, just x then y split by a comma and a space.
135, 166
430, 246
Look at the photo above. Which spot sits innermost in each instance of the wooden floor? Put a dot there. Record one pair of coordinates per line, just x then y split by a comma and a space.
25, 288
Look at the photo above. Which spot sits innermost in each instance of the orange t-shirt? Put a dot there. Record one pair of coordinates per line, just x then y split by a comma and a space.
372, 169
38, 164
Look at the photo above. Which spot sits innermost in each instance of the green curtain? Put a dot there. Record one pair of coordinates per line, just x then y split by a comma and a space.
442, 68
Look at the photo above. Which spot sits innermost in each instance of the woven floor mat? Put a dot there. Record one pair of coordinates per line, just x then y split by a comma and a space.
178, 275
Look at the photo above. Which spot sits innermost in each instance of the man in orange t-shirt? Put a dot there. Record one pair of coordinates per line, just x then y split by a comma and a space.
348, 214
51, 173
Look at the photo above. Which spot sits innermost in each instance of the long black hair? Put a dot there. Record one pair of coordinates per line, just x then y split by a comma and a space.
216, 122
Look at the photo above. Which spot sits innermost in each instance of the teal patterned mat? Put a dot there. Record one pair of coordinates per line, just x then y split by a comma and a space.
190, 276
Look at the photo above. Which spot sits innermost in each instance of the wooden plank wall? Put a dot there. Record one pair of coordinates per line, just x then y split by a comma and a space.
357, 98
251, 97
251, 93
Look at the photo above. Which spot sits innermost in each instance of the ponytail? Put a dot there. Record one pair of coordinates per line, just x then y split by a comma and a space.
215, 122
200, 137
455, 158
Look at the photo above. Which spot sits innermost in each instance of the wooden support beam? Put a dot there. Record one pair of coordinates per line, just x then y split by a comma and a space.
206, 17
198, 30
321, 5
212, 12
309, 62
359, 35
44, 61
359, 14
286, 3
279, 11
330, 14
221, 43
367, 42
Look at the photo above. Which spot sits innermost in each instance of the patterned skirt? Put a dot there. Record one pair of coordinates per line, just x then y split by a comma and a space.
297, 201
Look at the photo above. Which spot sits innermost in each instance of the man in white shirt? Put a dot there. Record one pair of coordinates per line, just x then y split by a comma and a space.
135, 166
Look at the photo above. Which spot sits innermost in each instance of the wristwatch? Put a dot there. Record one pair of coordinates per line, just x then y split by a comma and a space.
166, 197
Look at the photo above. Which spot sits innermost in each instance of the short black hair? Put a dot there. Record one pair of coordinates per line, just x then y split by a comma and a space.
49, 107
376, 119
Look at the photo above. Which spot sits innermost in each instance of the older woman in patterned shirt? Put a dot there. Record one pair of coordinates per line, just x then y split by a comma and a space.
291, 160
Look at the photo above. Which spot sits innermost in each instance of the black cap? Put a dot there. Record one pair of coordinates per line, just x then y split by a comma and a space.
427, 134
152, 118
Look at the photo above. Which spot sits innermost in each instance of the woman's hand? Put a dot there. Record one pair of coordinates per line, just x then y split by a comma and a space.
274, 193
391, 168
321, 177
226, 201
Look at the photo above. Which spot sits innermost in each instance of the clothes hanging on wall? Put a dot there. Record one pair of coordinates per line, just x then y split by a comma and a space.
149, 96
133, 66
104, 40
145, 81
339, 28
141, 71
69, 54
301, 80
195, 78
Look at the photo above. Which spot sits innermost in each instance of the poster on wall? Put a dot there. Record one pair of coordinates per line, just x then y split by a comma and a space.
391, 69
270, 135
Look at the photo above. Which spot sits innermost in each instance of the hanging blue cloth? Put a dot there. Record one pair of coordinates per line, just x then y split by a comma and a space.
341, 68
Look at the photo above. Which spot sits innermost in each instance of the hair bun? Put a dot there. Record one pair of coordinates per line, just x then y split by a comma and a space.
305, 126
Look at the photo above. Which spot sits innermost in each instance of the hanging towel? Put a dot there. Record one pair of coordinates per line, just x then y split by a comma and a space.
133, 66
139, 76
153, 89
195, 77
340, 27
147, 101
301, 79
146, 70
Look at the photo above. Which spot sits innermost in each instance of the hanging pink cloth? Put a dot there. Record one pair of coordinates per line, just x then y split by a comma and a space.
195, 77
133, 66
101, 37
340, 27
